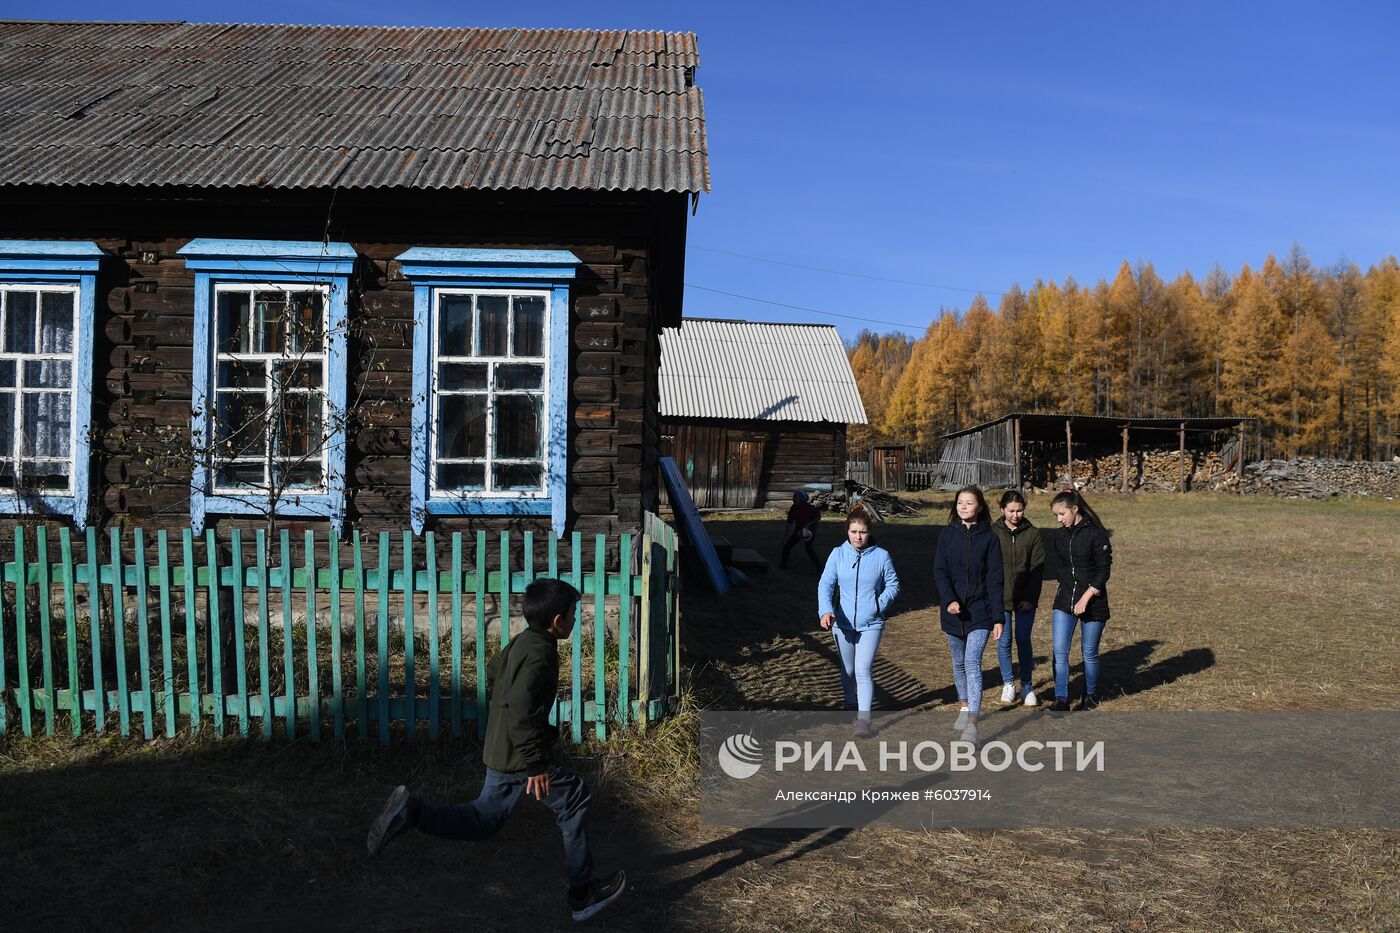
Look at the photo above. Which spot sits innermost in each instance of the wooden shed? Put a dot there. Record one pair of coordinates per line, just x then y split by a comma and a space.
1027, 448
340, 275
753, 412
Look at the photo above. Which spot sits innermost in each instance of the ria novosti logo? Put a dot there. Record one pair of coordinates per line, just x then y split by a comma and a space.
740, 756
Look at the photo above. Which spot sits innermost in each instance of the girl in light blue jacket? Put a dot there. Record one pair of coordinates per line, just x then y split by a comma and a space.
864, 574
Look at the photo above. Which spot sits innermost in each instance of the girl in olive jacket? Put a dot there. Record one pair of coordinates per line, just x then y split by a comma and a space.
967, 570
1023, 560
1083, 558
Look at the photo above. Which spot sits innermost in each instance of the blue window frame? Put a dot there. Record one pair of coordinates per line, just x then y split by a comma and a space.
269, 375
490, 381
48, 293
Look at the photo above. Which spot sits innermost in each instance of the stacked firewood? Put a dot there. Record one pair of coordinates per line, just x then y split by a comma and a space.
881, 503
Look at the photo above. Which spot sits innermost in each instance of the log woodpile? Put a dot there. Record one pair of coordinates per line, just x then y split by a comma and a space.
1160, 471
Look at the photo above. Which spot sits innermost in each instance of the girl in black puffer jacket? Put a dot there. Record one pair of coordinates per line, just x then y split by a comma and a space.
1083, 557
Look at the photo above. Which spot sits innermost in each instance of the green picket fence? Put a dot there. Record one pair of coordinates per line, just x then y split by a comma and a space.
244, 634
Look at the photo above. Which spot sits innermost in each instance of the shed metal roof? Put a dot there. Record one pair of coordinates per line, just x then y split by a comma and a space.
277, 106
751, 371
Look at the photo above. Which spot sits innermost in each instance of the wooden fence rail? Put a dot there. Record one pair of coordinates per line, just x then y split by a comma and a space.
206, 633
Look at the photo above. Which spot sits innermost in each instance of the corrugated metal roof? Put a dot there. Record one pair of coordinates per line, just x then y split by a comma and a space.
764, 372
212, 105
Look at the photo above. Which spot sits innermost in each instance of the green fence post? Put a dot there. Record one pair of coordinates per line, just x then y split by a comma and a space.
119, 633
313, 664
26, 715
434, 693
409, 687
576, 645
456, 633
505, 588
166, 660
70, 619
240, 635
216, 635
337, 686
289, 672
191, 628
41, 554
361, 668
94, 581
19, 654
480, 595
600, 636
264, 634
143, 635
624, 630
554, 572
384, 585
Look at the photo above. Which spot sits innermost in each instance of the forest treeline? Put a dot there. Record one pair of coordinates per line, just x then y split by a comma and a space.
1312, 353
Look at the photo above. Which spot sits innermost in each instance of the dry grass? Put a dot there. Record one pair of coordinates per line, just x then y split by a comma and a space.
1219, 603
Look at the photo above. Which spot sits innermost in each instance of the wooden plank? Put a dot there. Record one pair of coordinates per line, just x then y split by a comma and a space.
313, 663
576, 644
456, 633
70, 629
118, 634
383, 637
600, 633
361, 672
409, 687
289, 673
554, 572
644, 625
167, 661
19, 657
480, 596
337, 687
624, 629
143, 635
41, 555
434, 691
215, 633
26, 714
99, 687
191, 634
240, 630
264, 635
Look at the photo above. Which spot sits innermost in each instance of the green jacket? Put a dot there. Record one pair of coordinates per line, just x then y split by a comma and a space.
522, 680
1022, 562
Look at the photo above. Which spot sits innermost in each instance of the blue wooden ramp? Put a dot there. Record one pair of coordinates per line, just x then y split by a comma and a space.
692, 527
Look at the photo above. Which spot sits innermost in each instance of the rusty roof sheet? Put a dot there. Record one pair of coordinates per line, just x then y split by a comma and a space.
220, 105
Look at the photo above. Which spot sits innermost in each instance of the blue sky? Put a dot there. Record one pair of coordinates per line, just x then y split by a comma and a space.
977, 145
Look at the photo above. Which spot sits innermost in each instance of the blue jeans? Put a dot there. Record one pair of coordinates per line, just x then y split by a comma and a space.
857, 649
1024, 655
967, 666
1063, 629
568, 797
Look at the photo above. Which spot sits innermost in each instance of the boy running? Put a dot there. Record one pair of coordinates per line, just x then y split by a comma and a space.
522, 681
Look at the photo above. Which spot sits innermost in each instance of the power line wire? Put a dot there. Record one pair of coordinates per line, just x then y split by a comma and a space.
783, 304
854, 275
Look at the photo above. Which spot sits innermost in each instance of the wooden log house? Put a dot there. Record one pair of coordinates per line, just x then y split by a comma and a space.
754, 412
347, 276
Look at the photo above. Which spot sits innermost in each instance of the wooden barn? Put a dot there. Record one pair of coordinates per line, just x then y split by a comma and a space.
341, 276
754, 412
1038, 448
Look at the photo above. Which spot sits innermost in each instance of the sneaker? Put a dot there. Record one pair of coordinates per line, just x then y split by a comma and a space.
1061, 705
601, 893
970, 734
1031, 699
399, 813
1088, 702
960, 723
1008, 694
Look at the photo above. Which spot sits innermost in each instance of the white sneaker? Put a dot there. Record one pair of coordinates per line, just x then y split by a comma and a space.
960, 723
1008, 693
1031, 698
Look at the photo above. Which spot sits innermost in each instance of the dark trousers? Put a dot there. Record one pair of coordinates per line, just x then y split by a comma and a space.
568, 797
808, 545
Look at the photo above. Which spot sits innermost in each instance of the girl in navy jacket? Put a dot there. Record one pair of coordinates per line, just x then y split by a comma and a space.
1083, 558
864, 574
968, 571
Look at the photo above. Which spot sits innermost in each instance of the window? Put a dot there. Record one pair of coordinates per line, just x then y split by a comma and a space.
490, 381
47, 295
269, 377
